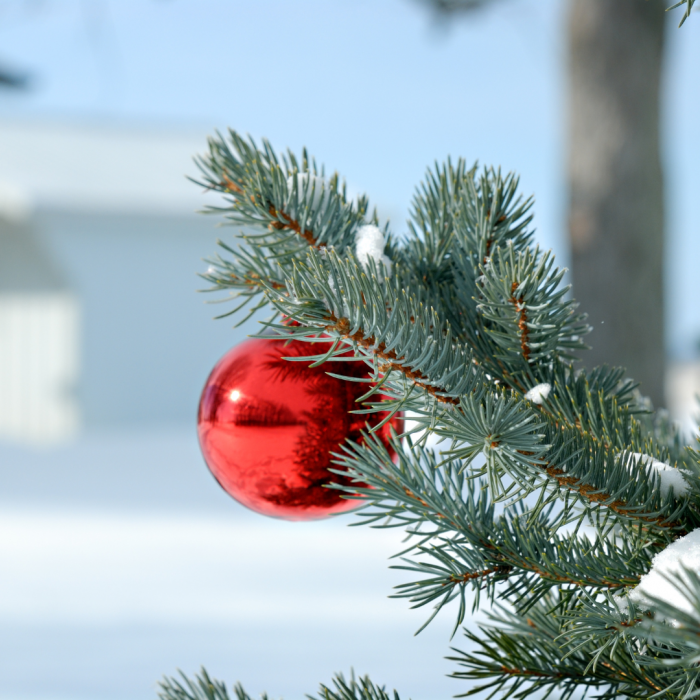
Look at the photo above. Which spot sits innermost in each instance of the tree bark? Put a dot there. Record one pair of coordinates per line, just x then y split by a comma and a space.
616, 215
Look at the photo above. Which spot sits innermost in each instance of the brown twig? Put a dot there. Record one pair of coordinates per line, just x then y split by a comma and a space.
392, 361
596, 496
252, 279
519, 304
503, 570
528, 672
293, 224
620, 676
507, 568
489, 240
284, 221
228, 184
629, 679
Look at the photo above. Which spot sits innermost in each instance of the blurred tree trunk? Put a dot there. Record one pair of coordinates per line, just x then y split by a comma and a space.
616, 214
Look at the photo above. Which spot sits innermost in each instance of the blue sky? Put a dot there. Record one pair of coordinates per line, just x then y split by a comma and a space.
377, 90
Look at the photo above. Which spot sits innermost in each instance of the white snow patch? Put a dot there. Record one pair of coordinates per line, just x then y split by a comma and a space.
539, 393
671, 478
621, 603
370, 243
684, 552
90, 569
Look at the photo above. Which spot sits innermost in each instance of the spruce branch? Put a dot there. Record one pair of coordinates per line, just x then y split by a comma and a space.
354, 689
467, 325
279, 195
688, 9
671, 633
332, 294
203, 687
288, 198
518, 445
521, 298
467, 544
518, 655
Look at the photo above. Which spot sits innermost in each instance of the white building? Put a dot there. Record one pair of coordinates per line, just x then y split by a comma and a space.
99, 246
39, 340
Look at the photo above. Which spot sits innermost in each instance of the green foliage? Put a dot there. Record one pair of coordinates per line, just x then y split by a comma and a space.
537, 507
688, 4
361, 689
518, 655
202, 687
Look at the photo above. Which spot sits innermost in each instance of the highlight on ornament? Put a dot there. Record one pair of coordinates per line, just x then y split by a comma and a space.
268, 427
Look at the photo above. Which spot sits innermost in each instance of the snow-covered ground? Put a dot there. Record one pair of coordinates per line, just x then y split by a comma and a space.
121, 560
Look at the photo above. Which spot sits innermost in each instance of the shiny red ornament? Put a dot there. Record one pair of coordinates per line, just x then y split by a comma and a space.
267, 427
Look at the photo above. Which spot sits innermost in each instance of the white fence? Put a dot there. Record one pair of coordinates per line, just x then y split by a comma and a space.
39, 362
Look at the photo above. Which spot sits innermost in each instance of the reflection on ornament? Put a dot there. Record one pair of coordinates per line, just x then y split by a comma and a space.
267, 427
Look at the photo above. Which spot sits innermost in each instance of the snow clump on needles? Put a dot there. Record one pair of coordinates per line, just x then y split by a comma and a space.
670, 477
370, 244
681, 554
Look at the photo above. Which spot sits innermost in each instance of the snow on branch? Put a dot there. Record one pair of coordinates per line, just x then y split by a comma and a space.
679, 555
369, 245
538, 394
670, 478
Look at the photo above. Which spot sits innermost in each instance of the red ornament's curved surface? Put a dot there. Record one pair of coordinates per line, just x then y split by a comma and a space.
267, 427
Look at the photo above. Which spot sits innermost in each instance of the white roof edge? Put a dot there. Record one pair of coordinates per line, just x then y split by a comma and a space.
107, 167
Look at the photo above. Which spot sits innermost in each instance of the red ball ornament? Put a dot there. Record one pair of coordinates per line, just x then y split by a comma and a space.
267, 427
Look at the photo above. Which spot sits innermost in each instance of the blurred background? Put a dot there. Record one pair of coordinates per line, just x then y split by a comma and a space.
120, 558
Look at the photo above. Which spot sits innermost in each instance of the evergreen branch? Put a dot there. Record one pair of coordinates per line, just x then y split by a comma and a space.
355, 689
601, 622
473, 335
280, 195
688, 9
521, 299
460, 222
458, 219
399, 335
516, 445
288, 198
519, 655
468, 545
603, 476
669, 652
488, 215
393, 363
470, 238
524, 578
381, 320
463, 218
203, 687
